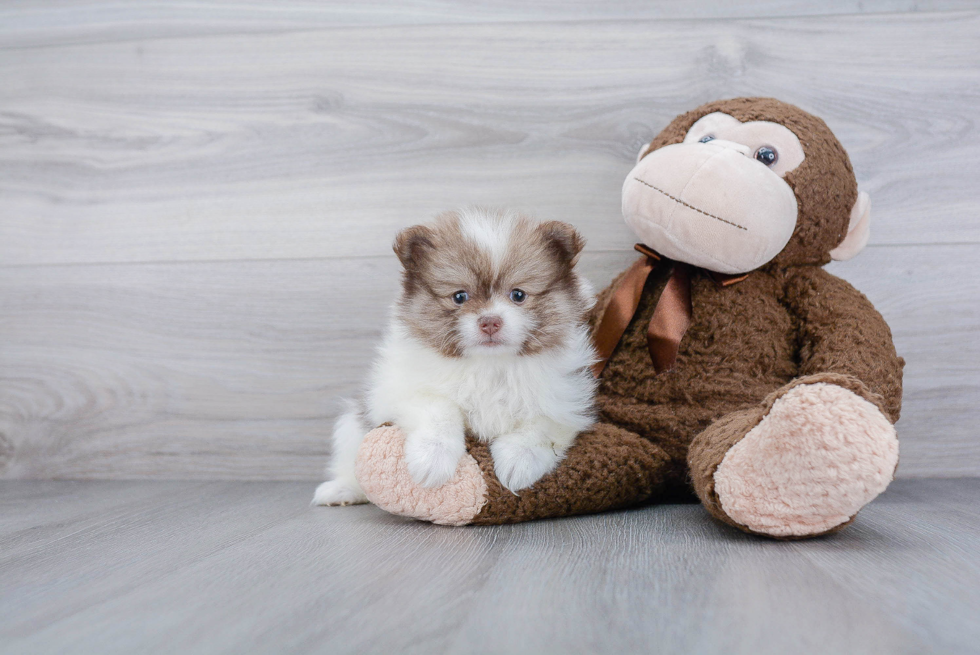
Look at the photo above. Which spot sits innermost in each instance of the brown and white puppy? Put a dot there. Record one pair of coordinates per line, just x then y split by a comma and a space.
489, 336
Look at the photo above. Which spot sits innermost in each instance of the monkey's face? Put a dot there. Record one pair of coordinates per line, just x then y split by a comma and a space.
719, 199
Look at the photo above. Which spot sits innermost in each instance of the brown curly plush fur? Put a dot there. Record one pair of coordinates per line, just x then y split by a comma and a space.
788, 323
610, 468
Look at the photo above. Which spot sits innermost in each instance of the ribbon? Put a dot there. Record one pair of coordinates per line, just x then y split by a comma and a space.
671, 317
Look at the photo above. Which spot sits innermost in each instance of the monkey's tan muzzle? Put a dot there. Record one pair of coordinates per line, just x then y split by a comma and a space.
710, 205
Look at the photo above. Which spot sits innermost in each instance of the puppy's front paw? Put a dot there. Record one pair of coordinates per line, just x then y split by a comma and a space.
432, 460
520, 462
335, 492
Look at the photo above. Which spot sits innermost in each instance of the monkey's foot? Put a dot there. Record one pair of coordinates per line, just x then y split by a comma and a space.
383, 474
605, 468
820, 454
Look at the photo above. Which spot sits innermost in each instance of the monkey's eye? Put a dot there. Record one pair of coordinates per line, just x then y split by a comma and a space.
460, 297
518, 296
706, 138
767, 155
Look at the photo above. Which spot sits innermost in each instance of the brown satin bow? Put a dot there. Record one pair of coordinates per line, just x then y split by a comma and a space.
671, 316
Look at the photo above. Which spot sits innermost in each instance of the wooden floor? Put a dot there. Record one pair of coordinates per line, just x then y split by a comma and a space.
138, 567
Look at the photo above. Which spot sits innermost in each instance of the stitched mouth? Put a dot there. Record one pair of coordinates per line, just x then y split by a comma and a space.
681, 202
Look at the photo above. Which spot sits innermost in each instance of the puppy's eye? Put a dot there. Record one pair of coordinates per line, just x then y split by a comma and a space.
518, 296
706, 138
460, 297
767, 155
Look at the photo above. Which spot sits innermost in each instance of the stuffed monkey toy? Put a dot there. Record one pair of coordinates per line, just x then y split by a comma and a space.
732, 365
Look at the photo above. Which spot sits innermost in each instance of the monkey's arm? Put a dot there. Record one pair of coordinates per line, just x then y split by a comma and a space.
843, 335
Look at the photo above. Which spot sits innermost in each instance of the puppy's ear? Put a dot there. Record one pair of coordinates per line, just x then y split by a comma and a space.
563, 239
411, 245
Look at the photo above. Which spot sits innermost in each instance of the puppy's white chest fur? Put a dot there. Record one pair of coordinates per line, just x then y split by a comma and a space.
497, 394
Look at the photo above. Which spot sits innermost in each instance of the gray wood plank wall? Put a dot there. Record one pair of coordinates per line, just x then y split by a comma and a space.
197, 200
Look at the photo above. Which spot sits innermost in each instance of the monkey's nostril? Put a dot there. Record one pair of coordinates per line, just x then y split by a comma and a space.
490, 325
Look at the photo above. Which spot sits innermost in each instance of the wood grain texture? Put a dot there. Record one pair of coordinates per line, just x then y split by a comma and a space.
233, 369
46, 22
324, 142
197, 199
230, 567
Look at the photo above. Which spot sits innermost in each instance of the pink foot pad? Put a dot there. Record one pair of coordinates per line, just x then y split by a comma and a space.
820, 454
382, 473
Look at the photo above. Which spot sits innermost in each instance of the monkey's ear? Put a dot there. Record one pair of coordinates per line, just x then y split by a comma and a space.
564, 239
411, 245
858, 230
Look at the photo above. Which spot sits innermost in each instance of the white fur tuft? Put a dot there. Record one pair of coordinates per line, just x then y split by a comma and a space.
490, 231
343, 488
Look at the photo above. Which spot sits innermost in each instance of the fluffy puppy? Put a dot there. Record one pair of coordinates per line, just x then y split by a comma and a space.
488, 335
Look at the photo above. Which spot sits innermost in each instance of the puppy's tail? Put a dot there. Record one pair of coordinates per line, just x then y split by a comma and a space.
348, 432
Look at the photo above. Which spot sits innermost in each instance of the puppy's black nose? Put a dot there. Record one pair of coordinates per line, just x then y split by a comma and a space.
490, 325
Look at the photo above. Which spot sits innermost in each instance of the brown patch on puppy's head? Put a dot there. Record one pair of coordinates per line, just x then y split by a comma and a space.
823, 183
489, 282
